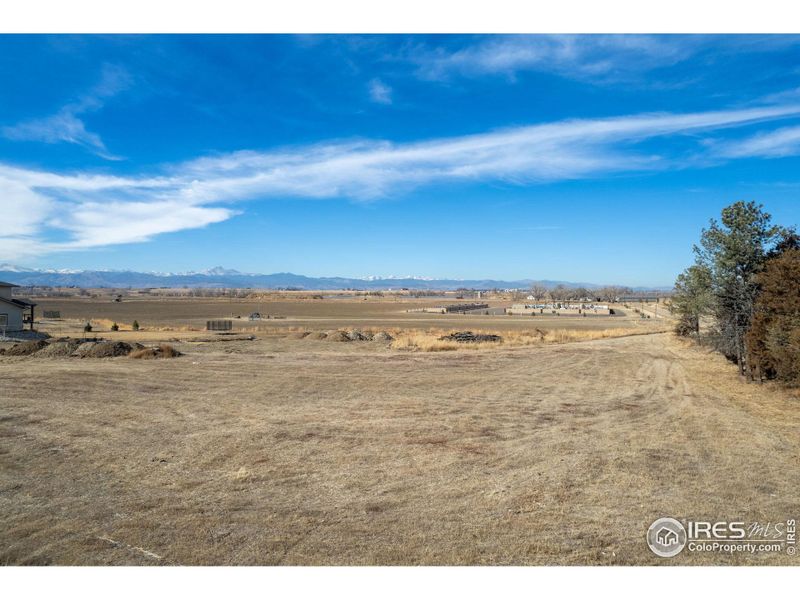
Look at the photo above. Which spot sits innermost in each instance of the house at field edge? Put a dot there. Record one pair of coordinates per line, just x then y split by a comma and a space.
14, 312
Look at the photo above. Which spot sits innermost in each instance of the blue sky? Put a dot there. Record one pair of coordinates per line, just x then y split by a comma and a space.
582, 158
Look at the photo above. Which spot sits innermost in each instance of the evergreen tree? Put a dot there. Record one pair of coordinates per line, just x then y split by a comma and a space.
692, 298
773, 341
734, 251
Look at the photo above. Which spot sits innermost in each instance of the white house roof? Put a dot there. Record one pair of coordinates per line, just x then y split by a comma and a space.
18, 302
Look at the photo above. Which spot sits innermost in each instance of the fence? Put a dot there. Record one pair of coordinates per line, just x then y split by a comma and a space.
219, 325
454, 308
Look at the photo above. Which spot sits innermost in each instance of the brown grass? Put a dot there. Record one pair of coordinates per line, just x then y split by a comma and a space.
146, 353
430, 340
106, 324
290, 451
190, 315
168, 351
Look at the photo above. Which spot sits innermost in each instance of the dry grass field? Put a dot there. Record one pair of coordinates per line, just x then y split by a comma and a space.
185, 314
287, 451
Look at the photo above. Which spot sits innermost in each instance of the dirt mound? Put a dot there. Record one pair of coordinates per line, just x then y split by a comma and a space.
382, 336
104, 349
160, 351
298, 335
109, 350
317, 335
58, 349
83, 349
337, 336
354, 335
469, 337
26, 348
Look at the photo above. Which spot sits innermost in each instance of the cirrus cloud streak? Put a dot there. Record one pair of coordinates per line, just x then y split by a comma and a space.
85, 210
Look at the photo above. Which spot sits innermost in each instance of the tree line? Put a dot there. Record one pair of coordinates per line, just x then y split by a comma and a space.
742, 294
562, 293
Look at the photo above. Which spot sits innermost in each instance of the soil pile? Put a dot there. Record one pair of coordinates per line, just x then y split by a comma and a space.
109, 350
26, 348
337, 336
469, 337
354, 335
59, 349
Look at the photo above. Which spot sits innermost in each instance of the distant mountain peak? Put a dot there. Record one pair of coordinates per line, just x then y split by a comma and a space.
393, 277
220, 277
217, 271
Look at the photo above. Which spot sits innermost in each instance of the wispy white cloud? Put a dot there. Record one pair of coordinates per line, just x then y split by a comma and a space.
772, 144
84, 210
596, 57
379, 92
364, 170
642, 60
119, 222
66, 126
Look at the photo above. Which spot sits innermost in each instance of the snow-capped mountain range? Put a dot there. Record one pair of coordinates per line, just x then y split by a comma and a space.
219, 277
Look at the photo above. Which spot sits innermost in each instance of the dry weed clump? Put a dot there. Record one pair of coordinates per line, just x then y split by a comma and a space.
160, 351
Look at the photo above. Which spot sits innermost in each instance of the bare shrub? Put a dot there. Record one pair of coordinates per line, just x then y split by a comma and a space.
168, 351
160, 351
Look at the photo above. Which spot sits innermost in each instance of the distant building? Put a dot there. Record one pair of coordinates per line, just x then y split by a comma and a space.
464, 307
559, 308
14, 312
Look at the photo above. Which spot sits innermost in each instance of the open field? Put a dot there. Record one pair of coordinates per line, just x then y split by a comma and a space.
186, 314
300, 451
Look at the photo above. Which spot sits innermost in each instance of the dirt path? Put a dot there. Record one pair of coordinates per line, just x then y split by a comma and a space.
299, 452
